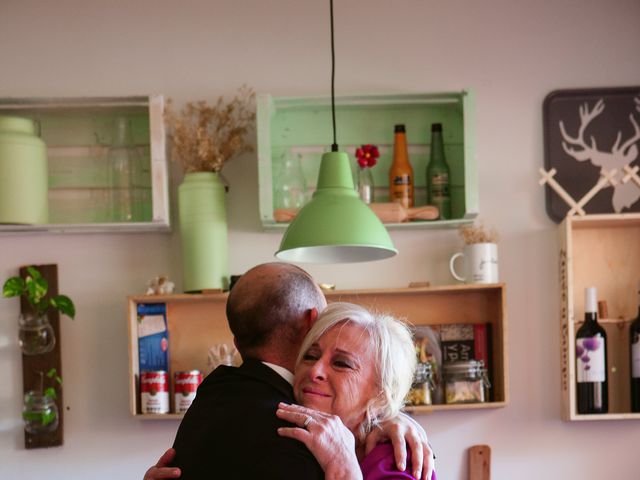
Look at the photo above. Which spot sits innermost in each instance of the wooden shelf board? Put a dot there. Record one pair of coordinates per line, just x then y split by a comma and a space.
417, 410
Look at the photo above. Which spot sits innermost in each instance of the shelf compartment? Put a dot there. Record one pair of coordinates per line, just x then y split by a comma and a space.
601, 251
196, 322
302, 126
77, 132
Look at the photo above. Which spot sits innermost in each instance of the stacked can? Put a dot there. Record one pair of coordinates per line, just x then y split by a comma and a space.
185, 386
154, 392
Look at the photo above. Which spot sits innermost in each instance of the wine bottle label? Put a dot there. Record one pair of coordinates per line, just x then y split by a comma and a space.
590, 355
635, 356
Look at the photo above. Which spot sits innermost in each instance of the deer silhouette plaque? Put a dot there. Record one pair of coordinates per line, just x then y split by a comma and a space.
592, 159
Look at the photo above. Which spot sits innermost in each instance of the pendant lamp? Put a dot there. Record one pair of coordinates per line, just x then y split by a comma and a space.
335, 226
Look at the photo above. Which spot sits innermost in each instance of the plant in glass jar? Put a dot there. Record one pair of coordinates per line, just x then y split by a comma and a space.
36, 334
367, 156
205, 137
40, 412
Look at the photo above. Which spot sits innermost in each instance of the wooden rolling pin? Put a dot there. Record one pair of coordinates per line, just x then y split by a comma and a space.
386, 212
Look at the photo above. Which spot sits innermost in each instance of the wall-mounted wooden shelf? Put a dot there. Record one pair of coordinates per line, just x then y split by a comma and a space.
301, 127
196, 322
601, 251
78, 133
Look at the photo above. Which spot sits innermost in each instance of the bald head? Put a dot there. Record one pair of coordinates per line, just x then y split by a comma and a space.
268, 310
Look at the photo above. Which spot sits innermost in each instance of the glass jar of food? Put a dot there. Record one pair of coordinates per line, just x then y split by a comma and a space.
465, 382
422, 387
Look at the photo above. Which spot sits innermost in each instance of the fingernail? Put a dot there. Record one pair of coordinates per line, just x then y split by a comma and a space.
402, 467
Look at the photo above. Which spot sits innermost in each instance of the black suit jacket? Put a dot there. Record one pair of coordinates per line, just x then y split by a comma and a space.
230, 430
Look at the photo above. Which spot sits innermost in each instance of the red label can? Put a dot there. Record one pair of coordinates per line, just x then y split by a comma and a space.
185, 385
154, 392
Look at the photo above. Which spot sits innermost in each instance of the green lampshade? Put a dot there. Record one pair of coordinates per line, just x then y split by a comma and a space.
335, 226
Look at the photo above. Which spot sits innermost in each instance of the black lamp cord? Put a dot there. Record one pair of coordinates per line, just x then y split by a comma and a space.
334, 145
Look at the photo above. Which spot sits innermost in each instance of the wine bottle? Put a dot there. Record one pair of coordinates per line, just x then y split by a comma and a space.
401, 173
591, 360
438, 188
634, 349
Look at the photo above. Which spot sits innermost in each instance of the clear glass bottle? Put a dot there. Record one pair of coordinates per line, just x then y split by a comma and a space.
365, 185
122, 172
39, 413
290, 185
438, 175
465, 382
35, 334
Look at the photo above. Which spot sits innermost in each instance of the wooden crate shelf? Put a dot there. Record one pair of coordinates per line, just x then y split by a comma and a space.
196, 322
601, 251
302, 127
78, 133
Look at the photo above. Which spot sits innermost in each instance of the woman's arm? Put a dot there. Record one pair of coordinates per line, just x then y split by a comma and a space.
327, 439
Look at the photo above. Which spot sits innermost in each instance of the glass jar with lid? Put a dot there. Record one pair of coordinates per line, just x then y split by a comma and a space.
422, 387
465, 382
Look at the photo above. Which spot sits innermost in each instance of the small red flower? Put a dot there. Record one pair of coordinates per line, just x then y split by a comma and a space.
367, 155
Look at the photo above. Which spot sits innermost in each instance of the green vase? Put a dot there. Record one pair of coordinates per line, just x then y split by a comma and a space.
203, 229
24, 184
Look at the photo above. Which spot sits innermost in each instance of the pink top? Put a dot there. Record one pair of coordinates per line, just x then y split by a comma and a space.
380, 464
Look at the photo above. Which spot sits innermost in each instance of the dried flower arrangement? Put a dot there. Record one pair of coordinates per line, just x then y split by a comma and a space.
205, 136
477, 234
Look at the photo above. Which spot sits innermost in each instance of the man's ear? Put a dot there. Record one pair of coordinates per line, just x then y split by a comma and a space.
235, 344
311, 317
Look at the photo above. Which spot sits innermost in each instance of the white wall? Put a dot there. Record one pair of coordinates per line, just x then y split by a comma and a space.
511, 52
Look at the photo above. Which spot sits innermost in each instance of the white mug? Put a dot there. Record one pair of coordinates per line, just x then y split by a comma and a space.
479, 263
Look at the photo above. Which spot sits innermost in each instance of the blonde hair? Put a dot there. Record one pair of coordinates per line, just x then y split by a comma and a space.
392, 351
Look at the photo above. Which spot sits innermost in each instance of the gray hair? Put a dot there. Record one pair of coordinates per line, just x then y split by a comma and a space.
392, 353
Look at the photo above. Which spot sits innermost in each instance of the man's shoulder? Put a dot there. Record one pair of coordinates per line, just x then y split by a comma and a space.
233, 422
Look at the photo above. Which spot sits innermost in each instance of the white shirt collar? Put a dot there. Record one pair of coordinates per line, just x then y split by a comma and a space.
283, 372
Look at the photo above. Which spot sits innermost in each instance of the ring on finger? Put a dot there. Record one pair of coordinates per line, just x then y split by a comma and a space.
307, 421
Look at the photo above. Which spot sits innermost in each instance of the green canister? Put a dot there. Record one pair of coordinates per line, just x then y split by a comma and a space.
23, 173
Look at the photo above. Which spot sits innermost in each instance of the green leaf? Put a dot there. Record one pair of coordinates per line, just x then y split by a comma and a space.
50, 392
31, 416
64, 304
13, 287
34, 272
48, 417
37, 288
53, 374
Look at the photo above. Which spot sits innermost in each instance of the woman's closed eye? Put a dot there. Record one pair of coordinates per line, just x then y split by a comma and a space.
343, 363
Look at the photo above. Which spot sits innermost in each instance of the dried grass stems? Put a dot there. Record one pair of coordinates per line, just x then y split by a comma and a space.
477, 234
205, 137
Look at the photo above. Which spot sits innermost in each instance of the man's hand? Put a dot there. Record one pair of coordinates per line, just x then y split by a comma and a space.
160, 469
402, 431
327, 439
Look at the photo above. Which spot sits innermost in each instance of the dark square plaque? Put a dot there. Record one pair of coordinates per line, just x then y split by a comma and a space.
585, 131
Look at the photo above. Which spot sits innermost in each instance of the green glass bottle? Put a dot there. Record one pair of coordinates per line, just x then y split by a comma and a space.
438, 190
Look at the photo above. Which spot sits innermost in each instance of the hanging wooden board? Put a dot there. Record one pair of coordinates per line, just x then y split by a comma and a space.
480, 462
33, 365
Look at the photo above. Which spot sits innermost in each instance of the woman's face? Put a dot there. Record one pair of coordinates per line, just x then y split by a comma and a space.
337, 375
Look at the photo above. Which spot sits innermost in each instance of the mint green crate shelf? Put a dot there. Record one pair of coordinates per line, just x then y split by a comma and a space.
303, 127
77, 132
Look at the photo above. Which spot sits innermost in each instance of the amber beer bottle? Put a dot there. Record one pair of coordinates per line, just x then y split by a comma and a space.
401, 173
